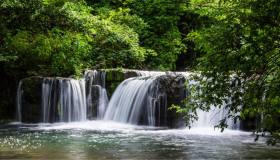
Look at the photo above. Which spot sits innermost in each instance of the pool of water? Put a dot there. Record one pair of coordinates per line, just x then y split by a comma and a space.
108, 140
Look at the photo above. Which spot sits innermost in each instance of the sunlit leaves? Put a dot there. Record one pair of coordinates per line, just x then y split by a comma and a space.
63, 37
242, 40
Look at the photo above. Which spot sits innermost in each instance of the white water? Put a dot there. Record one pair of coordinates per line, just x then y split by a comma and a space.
47, 86
73, 100
128, 100
97, 79
139, 100
111, 140
63, 100
100, 125
102, 103
136, 100
134, 95
213, 117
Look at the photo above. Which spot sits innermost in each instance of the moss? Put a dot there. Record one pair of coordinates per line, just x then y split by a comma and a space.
111, 87
114, 75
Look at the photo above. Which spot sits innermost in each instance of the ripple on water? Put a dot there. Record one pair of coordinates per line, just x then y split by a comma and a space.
106, 140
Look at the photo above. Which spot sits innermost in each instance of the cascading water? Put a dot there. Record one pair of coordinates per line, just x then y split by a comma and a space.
102, 103
96, 93
138, 101
214, 115
143, 100
128, 100
63, 100
213, 118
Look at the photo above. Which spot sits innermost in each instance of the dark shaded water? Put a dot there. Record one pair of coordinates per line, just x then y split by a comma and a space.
106, 140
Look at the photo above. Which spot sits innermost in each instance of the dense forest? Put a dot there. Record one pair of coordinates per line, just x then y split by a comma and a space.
233, 46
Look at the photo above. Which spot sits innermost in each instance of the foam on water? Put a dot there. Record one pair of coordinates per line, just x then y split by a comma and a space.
111, 126
88, 125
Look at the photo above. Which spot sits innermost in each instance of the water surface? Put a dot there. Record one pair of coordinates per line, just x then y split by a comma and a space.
108, 140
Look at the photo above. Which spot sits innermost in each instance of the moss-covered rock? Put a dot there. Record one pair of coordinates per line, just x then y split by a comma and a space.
115, 76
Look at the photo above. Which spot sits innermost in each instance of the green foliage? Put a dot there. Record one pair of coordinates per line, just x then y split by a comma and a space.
240, 60
163, 35
118, 45
156, 22
237, 43
54, 53
62, 37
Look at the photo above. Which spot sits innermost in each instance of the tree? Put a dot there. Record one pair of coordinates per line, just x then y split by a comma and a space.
158, 28
239, 60
63, 37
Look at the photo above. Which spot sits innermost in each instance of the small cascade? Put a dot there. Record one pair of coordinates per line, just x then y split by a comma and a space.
102, 103
97, 98
140, 100
213, 118
63, 100
19, 101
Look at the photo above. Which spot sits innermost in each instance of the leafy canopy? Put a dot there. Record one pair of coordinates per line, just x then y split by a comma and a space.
239, 61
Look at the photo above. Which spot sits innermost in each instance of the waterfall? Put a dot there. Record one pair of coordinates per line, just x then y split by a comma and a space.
47, 86
143, 99
213, 117
63, 100
135, 101
97, 98
102, 103
19, 101
138, 100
